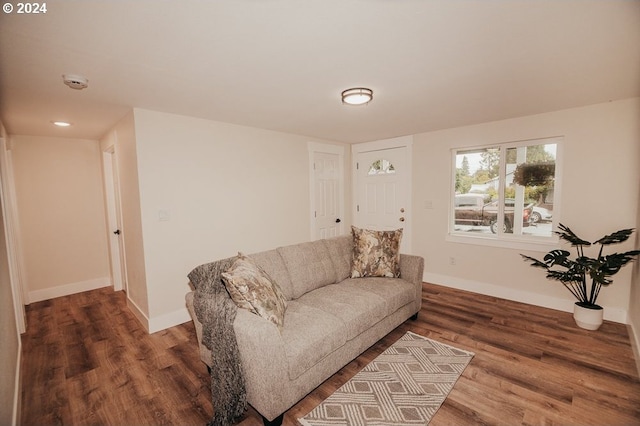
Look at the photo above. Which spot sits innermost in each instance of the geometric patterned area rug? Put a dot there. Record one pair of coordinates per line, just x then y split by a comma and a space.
404, 385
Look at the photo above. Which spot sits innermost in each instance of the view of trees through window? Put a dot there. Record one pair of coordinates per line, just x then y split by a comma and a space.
525, 173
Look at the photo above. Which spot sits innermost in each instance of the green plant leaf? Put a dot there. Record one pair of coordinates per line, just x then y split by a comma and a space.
534, 262
557, 257
616, 237
568, 276
568, 235
612, 263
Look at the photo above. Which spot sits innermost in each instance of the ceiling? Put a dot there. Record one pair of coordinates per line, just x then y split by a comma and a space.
281, 64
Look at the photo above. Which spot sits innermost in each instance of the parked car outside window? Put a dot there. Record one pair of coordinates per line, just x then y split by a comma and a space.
477, 210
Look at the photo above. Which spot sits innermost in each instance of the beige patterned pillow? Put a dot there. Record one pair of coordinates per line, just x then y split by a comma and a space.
253, 289
375, 253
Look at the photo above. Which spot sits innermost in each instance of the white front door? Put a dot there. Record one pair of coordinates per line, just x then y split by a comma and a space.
382, 191
326, 191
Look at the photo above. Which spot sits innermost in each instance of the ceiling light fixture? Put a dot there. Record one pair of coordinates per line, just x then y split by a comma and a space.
61, 123
76, 82
357, 96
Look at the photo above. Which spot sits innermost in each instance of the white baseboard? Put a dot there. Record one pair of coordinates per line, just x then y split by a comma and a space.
565, 305
67, 289
169, 320
159, 323
138, 313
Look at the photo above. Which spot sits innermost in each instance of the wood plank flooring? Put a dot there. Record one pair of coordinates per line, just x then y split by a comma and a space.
87, 361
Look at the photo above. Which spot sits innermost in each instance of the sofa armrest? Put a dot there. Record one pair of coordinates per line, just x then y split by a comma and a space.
264, 361
411, 268
262, 353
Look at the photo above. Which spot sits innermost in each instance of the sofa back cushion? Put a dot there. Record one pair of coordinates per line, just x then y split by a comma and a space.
273, 264
340, 250
309, 265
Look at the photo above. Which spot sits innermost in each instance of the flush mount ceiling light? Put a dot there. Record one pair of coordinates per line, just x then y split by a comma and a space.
76, 82
357, 96
61, 123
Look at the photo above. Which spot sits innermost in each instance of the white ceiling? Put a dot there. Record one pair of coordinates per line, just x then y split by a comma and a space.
281, 64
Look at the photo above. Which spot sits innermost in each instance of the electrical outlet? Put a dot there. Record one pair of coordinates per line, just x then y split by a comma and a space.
452, 260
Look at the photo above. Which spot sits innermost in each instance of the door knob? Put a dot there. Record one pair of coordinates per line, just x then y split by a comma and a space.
402, 219
338, 220
117, 232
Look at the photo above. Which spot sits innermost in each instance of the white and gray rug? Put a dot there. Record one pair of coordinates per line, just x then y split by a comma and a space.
404, 385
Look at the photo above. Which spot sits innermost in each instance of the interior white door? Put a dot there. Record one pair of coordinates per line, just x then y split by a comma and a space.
116, 248
381, 204
327, 181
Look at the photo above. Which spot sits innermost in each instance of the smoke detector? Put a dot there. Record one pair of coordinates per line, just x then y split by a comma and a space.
76, 82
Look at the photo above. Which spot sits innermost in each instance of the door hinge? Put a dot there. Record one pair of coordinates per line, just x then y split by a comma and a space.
357, 166
315, 214
357, 207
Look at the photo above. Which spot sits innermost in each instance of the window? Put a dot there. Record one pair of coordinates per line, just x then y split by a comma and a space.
381, 167
506, 192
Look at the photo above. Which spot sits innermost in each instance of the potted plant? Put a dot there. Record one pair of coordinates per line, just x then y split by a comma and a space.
574, 274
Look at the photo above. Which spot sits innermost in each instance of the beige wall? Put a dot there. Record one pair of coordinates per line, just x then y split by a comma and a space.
222, 188
123, 139
225, 188
61, 214
600, 174
634, 299
9, 337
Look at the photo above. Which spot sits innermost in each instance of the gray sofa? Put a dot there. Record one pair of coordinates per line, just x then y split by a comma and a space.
330, 319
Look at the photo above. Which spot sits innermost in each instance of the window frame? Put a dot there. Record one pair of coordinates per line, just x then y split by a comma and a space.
500, 239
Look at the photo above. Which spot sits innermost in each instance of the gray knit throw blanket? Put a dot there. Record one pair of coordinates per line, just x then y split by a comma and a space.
216, 311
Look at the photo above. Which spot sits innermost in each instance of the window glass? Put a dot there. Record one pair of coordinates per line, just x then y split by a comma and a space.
505, 190
380, 167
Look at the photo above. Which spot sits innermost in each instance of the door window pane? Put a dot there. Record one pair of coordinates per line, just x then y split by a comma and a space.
381, 167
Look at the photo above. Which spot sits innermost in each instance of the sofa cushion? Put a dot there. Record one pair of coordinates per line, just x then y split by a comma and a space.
375, 253
309, 334
340, 250
396, 292
271, 262
309, 266
357, 309
253, 289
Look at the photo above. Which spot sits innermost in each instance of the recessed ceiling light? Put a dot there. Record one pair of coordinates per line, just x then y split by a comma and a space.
357, 96
61, 123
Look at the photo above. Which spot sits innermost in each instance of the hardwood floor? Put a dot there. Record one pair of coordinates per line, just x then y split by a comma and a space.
87, 361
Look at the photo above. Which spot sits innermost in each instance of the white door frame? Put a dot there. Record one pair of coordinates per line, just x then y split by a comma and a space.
12, 235
114, 219
381, 145
313, 148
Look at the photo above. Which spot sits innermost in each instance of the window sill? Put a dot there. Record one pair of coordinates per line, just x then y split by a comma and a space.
526, 243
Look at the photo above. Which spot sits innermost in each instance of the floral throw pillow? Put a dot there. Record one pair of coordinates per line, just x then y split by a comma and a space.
253, 289
375, 253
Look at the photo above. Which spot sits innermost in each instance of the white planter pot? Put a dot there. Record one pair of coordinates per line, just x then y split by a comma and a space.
589, 319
